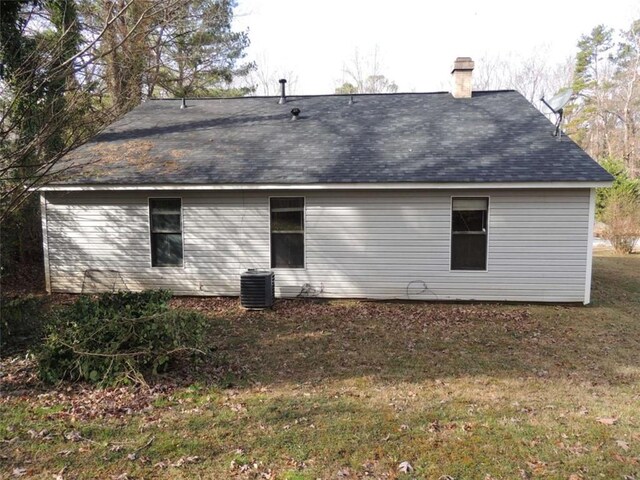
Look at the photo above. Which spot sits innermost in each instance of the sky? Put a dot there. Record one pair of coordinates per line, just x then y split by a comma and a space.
417, 41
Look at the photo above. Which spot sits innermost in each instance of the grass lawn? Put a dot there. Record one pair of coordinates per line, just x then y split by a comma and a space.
351, 389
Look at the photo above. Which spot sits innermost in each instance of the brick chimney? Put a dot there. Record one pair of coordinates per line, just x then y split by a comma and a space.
462, 69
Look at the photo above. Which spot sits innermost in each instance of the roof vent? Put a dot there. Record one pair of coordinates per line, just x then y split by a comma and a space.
183, 104
283, 96
294, 113
351, 102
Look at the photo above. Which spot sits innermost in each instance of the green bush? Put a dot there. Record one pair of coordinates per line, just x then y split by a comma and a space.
622, 218
118, 338
20, 317
623, 186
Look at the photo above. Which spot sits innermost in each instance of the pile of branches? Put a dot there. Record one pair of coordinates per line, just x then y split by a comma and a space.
119, 338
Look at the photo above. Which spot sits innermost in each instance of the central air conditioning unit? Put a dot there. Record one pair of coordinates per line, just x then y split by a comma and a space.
257, 289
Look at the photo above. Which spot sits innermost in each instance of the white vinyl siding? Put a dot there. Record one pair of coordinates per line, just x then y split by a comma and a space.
363, 244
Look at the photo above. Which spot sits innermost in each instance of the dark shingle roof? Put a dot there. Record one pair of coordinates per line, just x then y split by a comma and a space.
492, 137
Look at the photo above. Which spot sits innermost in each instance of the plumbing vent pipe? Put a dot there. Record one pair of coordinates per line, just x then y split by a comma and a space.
283, 96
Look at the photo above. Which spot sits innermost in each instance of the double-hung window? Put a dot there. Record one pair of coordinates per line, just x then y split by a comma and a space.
165, 217
287, 232
469, 233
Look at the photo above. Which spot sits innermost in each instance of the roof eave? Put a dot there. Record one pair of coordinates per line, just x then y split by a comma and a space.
328, 186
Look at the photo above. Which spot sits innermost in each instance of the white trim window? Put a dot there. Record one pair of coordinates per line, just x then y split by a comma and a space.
469, 220
287, 232
165, 222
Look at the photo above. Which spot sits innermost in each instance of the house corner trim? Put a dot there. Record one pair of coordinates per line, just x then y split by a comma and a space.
45, 241
592, 213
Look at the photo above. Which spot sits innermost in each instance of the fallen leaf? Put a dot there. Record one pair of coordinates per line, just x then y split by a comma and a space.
608, 420
622, 444
405, 467
184, 460
524, 475
19, 472
41, 434
58, 476
537, 466
73, 436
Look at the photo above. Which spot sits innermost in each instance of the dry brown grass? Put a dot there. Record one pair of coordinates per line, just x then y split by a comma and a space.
352, 389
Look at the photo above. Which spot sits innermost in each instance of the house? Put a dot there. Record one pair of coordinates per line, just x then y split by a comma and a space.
432, 196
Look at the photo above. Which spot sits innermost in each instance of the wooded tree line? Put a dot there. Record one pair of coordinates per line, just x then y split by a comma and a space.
604, 117
70, 67
605, 121
363, 74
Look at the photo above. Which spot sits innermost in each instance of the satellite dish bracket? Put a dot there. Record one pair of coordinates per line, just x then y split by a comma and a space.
558, 131
563, 98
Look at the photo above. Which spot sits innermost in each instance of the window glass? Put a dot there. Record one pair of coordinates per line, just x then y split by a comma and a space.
166, 232
287, 221
166, 249
469, 252
287, 232
469, 233
470, 221
287, 250
166, 223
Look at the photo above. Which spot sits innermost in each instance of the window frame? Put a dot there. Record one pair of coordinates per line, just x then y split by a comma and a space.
304, 231
486, 257
151, 233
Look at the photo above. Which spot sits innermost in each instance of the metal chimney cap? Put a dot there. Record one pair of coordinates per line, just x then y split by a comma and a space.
283, 80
